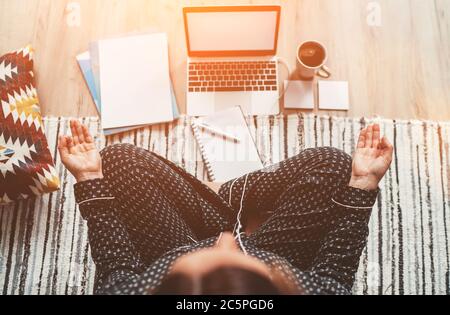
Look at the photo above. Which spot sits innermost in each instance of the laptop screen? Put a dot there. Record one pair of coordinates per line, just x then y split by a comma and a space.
232, 31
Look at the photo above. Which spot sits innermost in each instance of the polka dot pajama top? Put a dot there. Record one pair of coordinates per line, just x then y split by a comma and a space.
146, 212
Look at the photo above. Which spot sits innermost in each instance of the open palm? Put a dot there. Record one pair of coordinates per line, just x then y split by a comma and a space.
79, 153
372, 159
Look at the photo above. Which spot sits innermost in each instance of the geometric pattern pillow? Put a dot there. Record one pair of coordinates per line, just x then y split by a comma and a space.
26, 164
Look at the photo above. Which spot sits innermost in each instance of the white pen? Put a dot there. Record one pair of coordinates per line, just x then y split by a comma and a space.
217, 132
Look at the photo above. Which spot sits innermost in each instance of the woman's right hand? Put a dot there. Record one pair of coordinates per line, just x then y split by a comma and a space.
79, 153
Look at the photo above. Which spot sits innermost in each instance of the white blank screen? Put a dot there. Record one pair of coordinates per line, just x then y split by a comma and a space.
232, 31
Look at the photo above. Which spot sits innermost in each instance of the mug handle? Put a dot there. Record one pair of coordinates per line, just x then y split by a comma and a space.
324, 72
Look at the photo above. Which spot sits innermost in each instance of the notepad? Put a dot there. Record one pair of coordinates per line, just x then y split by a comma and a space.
84, 61
299, 95
334, 95
133, 73
226, 159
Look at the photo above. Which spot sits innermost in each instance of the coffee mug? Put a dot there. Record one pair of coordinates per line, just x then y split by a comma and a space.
311, 59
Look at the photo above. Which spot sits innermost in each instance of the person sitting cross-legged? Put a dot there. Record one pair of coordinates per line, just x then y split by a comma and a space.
155, 229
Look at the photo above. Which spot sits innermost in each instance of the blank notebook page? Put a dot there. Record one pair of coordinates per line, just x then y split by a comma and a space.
135, 81
226, 159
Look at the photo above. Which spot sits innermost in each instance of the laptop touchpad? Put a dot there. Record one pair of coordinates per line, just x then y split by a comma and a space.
226, 100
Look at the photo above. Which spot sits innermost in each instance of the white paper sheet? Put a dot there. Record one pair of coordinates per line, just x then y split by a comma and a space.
334, 95
299, 95
134, 80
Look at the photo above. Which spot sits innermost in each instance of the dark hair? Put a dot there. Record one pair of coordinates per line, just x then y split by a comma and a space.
222, 281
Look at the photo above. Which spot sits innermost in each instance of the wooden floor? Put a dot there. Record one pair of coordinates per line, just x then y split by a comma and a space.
400, 69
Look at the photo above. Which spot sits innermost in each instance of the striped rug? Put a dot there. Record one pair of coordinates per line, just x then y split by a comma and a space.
43, 241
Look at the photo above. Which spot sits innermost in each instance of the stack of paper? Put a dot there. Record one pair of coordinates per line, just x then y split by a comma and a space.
129, 81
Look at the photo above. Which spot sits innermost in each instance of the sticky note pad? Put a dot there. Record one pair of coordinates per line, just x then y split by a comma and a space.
299, 95
334, 95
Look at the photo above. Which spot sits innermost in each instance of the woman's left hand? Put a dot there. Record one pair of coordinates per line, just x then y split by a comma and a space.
372, 159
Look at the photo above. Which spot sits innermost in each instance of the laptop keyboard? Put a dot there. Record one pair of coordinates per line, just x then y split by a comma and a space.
233, 76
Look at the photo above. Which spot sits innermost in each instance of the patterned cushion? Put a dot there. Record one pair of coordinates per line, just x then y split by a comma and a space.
26, 164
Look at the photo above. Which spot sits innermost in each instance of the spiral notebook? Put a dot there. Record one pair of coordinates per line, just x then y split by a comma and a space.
226, 159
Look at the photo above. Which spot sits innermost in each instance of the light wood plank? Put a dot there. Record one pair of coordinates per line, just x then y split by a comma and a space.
399, 70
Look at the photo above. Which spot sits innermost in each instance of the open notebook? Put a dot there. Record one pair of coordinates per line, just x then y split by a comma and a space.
227, 159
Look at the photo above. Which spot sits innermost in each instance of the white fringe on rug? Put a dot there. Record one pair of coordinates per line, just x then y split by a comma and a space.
43, 241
